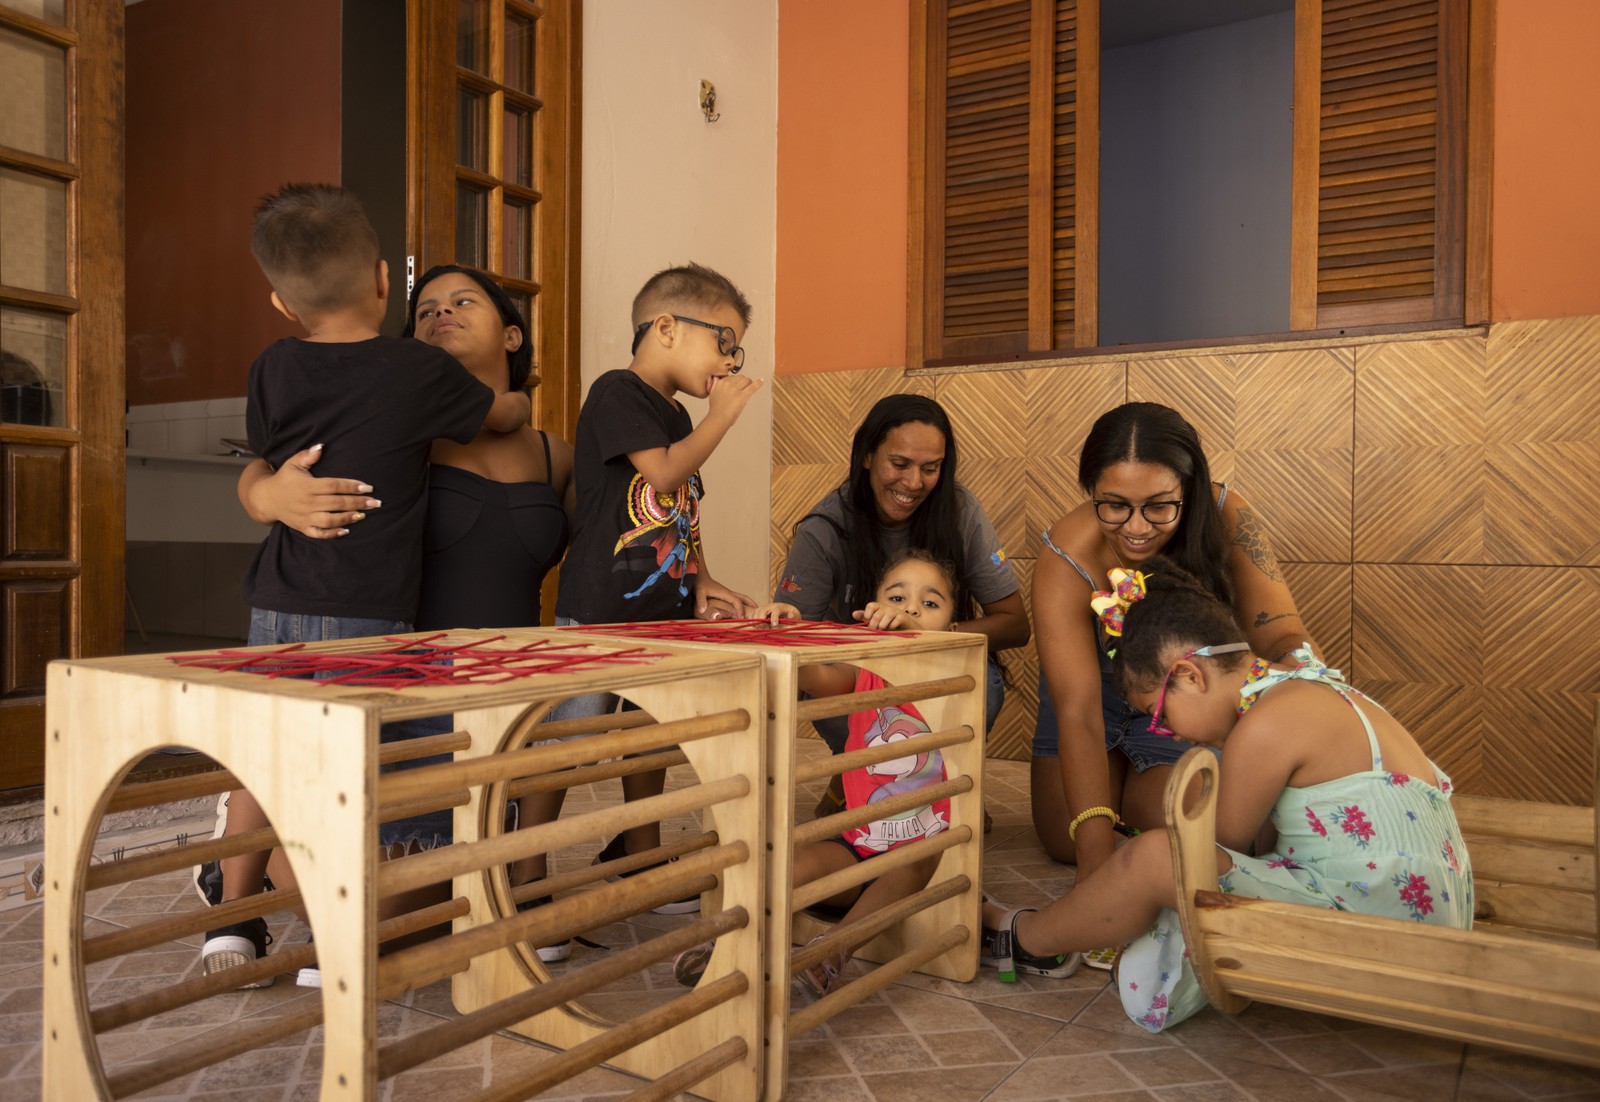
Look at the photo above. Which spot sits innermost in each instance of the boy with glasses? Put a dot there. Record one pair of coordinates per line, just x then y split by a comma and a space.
636, 552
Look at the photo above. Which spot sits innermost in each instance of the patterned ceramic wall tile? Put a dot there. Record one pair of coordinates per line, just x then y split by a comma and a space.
1542, 386
1539, 745
1541, 629
1390, 476
814, 416
1420, 504
1413, 394
1419, 623
1322, 596
1540, 503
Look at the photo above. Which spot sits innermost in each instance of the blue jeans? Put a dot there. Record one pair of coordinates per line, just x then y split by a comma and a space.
268, 627
836, 729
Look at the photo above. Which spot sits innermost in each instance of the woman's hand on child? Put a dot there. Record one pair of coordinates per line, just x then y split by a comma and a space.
775, 611
321, 508
882, 617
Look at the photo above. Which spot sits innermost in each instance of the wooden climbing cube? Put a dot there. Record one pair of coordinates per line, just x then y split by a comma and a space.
309, 751
935, 932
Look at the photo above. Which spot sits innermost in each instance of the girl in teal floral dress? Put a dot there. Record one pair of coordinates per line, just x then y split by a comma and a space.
1323, 799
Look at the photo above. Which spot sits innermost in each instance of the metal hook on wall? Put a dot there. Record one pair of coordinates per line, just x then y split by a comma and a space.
708, 101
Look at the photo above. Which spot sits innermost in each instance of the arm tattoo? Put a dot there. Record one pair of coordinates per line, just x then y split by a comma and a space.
1262, 619
1253, 538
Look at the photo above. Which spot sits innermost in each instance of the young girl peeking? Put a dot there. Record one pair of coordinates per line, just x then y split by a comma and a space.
1345, 810
916, 593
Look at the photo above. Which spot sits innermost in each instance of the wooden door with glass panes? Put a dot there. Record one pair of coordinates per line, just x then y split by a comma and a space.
61, 354
492, 149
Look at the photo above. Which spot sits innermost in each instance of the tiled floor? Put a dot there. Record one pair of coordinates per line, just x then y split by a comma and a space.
918, 1039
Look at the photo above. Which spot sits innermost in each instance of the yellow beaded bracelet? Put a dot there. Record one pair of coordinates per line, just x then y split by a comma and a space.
1085, 816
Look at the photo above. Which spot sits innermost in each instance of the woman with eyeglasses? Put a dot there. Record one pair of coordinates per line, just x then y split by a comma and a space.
1096, 762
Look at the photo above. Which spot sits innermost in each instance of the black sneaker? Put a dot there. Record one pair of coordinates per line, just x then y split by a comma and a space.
616, 848
999, 949
232, 946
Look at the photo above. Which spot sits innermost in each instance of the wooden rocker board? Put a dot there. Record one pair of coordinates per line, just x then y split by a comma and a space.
942, 938
309, 752
1517, 990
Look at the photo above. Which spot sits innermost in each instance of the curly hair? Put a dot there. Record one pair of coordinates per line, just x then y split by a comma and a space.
1176, 615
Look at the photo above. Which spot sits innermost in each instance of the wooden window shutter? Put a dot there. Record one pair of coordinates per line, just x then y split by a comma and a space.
1004, 161
1380, 126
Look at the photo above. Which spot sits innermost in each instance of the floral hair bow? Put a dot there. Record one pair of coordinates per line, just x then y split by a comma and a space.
1111, 605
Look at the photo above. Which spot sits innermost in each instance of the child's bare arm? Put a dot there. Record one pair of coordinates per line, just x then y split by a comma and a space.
511, 410
1253, 774
827, 679
670, 467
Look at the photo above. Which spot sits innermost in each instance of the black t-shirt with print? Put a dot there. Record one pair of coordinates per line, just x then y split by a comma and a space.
635, 552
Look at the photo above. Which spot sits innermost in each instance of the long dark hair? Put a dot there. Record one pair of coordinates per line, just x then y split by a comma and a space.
935, 526
1144, 432
518, 363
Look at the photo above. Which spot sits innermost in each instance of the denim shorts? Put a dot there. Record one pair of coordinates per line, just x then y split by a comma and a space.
268, 627
1127, 728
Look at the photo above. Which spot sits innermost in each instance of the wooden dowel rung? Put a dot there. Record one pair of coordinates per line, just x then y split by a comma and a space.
848, 938
423, 805
589, 774
172, 927
833, 764
686, 1075
424, 746
212, 1047
861, 872
445, 862
824, 707
589, 874
288, 958
513, 764
170, 791
619, 1038
418, 1048
178, 857
597, 908
863, 987
818, 829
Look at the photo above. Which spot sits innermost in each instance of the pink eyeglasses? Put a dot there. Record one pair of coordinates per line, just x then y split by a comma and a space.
1156, 726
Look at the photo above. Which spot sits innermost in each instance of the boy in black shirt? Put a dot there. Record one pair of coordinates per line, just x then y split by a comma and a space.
636, 552
374, 404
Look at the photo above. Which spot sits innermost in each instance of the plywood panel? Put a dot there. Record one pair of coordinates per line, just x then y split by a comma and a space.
1297, 400
1012, 737
1542, 388
1303, 498
1538, 745
1541, 629
1202, 388
796, 489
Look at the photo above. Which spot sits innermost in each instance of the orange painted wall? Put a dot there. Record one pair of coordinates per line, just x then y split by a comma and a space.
841, 236
225, 103
1546, 234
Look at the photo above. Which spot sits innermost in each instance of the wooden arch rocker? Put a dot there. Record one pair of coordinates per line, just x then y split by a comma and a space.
1526, 978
